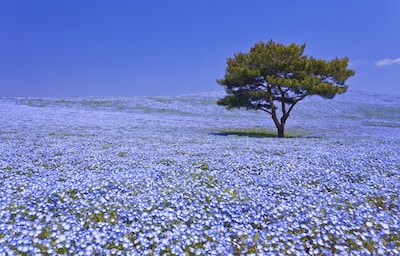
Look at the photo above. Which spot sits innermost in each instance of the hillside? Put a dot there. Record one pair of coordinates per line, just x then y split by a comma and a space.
159, 175
350, 114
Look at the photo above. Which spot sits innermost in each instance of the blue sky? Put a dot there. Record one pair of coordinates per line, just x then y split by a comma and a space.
155, 47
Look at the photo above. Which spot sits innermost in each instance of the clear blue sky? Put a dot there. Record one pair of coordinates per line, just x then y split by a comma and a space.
156, 47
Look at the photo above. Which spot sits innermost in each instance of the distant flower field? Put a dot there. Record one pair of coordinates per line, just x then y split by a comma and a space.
183, 176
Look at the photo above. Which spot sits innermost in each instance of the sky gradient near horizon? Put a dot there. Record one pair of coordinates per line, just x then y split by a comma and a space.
155, 47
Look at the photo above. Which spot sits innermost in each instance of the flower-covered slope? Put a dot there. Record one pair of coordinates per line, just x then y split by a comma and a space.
153, 175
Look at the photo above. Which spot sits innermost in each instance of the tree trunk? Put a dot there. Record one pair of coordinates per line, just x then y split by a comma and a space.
279, 125
281, 132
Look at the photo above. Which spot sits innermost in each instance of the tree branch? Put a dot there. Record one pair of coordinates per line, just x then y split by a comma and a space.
295, 101
273, 111
266, 110
283, 100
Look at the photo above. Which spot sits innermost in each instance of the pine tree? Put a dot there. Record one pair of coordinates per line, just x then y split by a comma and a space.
274, 75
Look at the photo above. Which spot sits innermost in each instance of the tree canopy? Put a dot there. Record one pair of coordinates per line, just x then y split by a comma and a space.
273, 74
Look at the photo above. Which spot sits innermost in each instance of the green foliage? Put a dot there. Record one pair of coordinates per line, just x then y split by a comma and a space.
204, 166
45, 233
62, 250
273, 74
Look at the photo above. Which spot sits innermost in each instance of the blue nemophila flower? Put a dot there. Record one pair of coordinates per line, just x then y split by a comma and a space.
122, 177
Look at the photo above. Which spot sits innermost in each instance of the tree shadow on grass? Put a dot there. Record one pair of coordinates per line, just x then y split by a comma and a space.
249, 133
256, 134
246, 134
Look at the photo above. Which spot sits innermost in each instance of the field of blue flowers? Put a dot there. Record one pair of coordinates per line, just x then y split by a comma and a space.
172, 175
